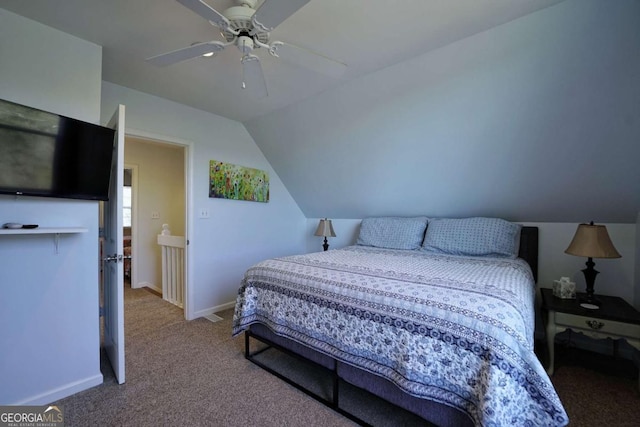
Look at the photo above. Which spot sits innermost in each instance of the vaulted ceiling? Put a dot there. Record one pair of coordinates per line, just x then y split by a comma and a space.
366, 35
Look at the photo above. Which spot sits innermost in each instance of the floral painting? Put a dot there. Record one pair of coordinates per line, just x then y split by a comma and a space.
227, 181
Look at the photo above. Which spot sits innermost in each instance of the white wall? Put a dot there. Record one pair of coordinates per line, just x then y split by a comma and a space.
238, 233
160, 189
49, 324
48, 69
616, 275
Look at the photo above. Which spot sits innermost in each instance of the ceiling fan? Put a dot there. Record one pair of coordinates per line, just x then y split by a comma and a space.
249, 29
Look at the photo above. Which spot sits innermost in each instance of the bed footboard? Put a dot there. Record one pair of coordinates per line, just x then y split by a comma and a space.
338, 376
333, 401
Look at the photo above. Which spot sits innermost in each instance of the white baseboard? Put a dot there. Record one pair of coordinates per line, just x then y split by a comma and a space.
150, 286
62, 392
211, 310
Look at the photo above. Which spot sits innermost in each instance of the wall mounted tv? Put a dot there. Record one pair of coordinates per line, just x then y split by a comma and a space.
48, 155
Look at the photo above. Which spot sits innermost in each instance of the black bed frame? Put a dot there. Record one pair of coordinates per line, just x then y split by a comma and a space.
433, 412
333, 402
529, 249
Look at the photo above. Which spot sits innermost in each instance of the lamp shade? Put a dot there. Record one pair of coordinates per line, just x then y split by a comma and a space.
592, 241
325, 228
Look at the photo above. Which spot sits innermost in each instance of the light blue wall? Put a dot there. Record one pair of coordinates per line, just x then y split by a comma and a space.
535, 120
49, 324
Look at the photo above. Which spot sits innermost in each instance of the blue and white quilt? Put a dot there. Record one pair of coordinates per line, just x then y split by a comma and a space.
453, 329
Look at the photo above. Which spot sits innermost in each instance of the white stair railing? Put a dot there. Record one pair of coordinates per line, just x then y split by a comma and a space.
172, 268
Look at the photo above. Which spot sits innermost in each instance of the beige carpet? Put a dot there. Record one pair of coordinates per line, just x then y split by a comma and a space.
181, 373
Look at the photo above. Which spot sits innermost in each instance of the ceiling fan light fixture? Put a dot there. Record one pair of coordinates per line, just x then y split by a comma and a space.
245, 44
248, 29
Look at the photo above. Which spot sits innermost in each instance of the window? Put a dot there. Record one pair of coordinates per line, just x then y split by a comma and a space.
126, 206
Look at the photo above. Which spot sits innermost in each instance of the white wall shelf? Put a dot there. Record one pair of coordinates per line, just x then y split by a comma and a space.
43, 230
55, 231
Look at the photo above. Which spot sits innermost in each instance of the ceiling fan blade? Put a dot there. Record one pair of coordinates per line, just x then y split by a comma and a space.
272, 13
252, 76
207, 12
310, 59
183, 54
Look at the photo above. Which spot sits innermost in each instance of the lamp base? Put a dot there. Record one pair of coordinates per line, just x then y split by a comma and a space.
325, 245
590, 302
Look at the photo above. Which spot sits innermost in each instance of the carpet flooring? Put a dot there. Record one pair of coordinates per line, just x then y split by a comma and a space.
195, 374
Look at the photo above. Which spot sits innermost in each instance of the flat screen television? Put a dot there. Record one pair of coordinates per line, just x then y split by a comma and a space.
45, 154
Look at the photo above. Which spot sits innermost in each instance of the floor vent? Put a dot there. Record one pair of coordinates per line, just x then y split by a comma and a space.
213, 318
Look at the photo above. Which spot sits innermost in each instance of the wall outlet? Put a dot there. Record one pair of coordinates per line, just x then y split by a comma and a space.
203, 213
155, 215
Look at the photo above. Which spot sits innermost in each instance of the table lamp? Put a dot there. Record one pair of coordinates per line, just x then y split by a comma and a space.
325, 229
591, 241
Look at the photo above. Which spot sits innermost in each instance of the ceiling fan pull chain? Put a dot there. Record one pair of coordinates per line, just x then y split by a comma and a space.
245, 57
244, 85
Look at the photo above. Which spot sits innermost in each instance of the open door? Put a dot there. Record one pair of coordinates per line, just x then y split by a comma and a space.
113, 266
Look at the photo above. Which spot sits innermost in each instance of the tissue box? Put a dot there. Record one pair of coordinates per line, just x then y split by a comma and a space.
564, 288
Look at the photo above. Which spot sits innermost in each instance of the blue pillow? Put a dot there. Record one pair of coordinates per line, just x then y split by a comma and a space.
392, 232
493, 237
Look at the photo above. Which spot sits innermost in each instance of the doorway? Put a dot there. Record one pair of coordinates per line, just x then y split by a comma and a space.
159, 193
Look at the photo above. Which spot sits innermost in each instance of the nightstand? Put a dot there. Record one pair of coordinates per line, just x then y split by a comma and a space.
615, 319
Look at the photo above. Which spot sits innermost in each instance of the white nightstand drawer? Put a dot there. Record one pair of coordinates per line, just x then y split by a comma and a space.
598, 325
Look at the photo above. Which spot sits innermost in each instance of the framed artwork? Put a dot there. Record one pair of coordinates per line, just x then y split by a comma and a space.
227, 181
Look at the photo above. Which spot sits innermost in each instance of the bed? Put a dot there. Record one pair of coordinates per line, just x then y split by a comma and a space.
434, 315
